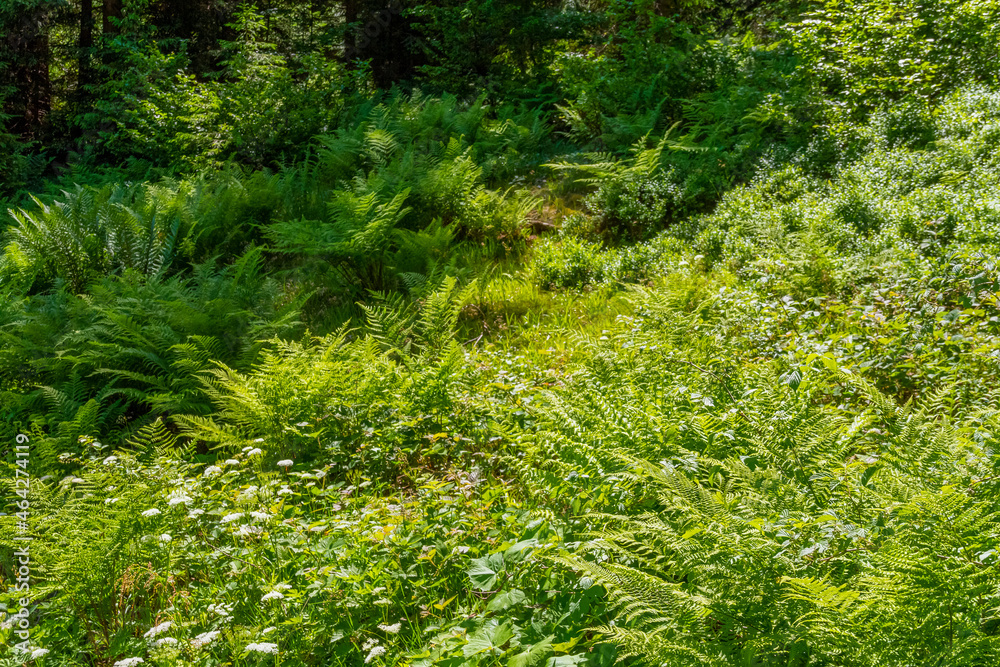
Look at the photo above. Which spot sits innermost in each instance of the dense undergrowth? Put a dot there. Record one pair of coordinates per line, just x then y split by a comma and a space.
651, 368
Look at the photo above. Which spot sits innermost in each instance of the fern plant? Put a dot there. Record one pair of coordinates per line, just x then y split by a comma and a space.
90, 556
773, 529
131, 351
328, 397
90, 232
356, 239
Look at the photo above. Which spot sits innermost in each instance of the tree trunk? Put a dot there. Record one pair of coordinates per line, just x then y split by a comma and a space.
112, 10
28, 74
350, 16
86, 43
38, 101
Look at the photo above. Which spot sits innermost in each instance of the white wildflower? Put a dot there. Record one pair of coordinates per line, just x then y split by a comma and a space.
282, 587
194, 514
284, 491
111, 459
129, 662
273, 595
231, 517
374, 653
391, 629
158, 629
250, 490
232, 462
76, 480
110, 501
269, 630
151, 512
285, 463
369, 643
260, 516
38, 653
166, 641
204, 638
264, 647
303, 424
383, 601
221, 609
166, 537
247, 531
321, 474
211, 471
256, 451
178, 498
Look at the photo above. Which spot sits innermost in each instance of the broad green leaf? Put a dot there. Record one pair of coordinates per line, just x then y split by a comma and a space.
519, 551
483, 572
506, 600
533, 655
489, 639
565, 647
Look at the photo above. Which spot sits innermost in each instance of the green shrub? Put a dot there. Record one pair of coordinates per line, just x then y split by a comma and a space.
866, 53
258, 109
574, 262
636, 206
568, 263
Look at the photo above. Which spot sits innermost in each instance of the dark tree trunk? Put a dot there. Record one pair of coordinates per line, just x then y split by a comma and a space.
38, 100
350, 17
382, 34
28, 73
112, 10
86, 43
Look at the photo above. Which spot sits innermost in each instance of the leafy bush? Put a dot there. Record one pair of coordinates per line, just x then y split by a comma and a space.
260, 109
864, 52
625, 85
635, 206
510, 53
568, 263
575, 262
